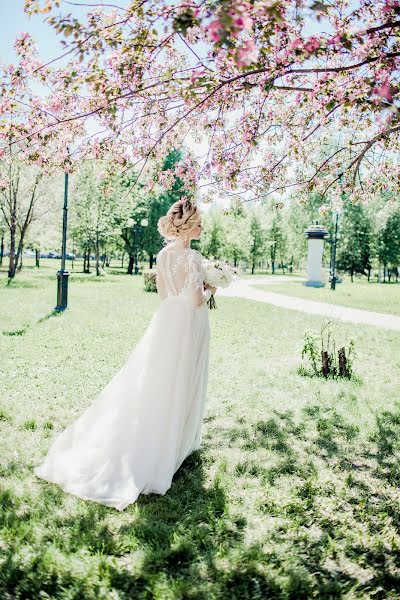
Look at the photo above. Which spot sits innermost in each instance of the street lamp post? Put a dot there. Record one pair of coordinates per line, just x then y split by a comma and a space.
137, 230
62, 274
333, 253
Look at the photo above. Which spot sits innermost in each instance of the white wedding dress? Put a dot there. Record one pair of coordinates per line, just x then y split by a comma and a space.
148, 418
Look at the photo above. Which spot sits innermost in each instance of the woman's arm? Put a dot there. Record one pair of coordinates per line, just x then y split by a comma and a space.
196, 280
161, 289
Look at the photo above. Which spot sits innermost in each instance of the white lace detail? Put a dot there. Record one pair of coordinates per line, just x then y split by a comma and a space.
182, 274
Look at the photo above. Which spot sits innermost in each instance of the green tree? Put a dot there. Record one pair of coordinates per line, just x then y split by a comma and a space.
355, 247
136, 211
18, 202
158, 205
389, 246
213, 235
278, 241
257, 237
235, 241
99, 208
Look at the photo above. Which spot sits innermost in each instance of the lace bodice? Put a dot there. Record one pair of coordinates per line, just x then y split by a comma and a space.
181, 273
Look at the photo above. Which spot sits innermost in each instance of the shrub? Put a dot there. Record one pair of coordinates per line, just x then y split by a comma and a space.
324, 360
150, 280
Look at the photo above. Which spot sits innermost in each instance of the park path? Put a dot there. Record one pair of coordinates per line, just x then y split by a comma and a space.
243, 288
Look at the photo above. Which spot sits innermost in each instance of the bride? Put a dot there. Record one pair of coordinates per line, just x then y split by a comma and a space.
148, 418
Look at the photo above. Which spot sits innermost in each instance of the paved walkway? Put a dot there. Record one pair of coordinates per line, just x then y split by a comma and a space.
243, 288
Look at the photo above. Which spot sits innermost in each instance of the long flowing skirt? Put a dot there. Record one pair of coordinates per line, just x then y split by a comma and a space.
147, 419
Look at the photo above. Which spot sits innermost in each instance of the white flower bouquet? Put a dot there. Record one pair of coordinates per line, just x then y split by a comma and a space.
217, 273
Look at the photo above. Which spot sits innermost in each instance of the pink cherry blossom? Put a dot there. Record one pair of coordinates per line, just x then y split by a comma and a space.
243, 21
214, 31
246, 54
262, 128
384, 91
312, 44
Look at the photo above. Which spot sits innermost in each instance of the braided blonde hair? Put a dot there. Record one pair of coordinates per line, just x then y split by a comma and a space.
181, 218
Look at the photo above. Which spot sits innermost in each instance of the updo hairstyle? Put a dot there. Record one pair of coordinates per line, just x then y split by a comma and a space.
179, 220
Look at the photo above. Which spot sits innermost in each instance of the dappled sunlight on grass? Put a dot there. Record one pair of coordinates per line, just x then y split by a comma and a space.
293, 494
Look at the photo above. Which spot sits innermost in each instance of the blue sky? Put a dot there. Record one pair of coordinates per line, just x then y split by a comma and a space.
13, 20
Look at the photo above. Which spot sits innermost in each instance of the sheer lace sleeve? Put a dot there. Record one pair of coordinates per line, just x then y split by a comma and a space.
161, 287
195, 280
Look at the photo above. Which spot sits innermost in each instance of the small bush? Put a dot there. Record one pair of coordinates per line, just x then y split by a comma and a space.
150, 280
324, 359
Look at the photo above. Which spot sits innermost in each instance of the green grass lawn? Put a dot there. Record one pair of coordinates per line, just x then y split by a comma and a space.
267, 273
293, 495
381, 297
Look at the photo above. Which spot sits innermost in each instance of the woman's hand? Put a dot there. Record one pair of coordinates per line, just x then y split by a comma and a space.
210, 287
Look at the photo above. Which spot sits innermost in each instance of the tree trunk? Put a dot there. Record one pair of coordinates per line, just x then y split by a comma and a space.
325, 363
37, 256
11, 257
1, 250
97, 254
352, 274
86, 261
108, 260
15, 257
19, 257
122, 260
130, 265
343, 371
151, 261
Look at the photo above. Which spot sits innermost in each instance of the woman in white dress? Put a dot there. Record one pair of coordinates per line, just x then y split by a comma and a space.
148, 418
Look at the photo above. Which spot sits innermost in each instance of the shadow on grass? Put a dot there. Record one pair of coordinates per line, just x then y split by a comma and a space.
13, 283
185, 544
16, 332
52, 313
323, 537
23, 330
386, 438
340, 521
177, 540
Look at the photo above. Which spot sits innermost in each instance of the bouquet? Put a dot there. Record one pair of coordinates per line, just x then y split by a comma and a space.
217, 273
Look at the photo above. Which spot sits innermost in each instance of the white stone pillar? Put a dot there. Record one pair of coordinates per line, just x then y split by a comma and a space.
315, 234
